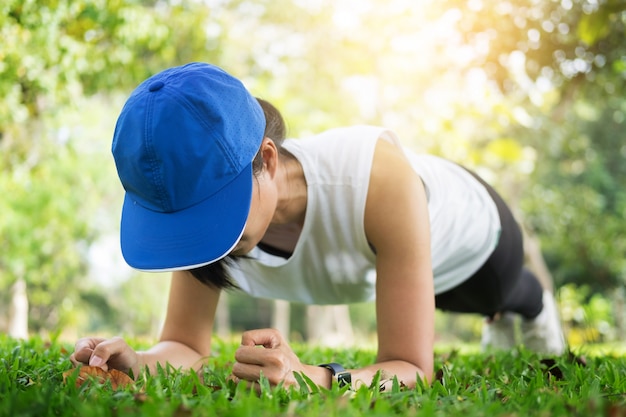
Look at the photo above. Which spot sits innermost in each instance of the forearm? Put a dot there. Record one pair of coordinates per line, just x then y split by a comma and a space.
166, 352
406, 373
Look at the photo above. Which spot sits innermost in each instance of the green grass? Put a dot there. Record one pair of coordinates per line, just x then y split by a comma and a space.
515, 383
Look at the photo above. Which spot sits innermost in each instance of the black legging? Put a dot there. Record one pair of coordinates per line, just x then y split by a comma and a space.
502, 283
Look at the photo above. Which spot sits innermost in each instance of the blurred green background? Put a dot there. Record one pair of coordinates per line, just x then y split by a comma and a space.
530, 94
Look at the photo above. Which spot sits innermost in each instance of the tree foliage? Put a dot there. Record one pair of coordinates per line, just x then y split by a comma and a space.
528, 93
54, 53
576, 200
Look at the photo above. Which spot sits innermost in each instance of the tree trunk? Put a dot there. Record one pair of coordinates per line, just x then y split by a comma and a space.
222, 317
280, 317
18, 314
329, 325
532, 246
619, 311
537, 264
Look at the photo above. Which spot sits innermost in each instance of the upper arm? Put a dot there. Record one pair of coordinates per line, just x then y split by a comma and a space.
397, 225
190, 312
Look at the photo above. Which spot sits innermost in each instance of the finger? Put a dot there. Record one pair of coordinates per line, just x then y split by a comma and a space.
82, 359
252, 355
269, 338
253, 373
87, 343
104, 351
83, 350
247, 372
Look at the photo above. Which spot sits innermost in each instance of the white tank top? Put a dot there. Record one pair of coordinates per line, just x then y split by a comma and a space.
332, 262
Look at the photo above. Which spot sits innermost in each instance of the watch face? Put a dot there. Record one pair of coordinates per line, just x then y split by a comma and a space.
344, 378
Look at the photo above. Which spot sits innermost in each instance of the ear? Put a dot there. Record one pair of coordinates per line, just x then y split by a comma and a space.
269, 152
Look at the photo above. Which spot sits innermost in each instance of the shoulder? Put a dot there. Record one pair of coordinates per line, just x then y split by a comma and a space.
338, 151
345, 141
396, 195
342, 136
391, 169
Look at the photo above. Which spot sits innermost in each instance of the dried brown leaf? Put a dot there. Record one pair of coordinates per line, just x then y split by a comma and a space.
98, 375
119, 379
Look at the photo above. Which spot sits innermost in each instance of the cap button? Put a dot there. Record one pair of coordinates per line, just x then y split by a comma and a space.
155, 86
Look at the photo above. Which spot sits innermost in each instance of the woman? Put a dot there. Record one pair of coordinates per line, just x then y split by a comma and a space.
214, 195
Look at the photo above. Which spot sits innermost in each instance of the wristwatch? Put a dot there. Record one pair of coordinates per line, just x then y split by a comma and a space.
339, 374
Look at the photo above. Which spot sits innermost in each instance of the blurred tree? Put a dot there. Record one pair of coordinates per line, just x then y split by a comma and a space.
527, 93
578, 202
142, 301
524, 92
568, 74
53, 53
562, 66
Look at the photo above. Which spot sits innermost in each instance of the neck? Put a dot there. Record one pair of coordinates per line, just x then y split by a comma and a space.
292, 192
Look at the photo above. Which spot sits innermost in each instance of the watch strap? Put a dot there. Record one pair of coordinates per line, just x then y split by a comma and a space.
339, 373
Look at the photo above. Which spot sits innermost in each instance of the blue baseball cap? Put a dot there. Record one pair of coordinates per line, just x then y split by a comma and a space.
183, 147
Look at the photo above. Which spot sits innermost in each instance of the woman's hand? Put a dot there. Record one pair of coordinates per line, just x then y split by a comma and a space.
265, 351
107, 354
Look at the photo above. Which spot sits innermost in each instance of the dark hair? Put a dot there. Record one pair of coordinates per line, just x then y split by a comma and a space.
216, 273
275, 129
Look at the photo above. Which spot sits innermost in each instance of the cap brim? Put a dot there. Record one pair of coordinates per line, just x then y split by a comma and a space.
201, 234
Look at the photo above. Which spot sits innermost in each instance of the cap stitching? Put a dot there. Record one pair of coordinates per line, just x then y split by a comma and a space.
154, 164
173, 93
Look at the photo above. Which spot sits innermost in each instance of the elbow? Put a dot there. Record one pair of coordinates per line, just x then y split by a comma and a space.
412, 372
424, 374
